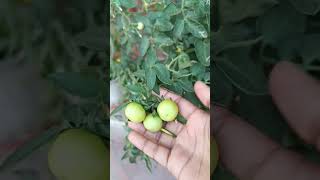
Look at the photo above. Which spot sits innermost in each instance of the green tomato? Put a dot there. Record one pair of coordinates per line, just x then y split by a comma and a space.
79, 154
214, 155
153, 123
140, 26
135, 112
168, 110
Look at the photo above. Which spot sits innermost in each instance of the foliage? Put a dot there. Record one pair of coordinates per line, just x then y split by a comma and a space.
159, 43
67, 39
249, 37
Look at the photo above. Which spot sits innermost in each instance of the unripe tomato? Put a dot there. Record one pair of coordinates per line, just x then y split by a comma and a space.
153, 123
79, 154
140, 26
214, 155
168, 110
135, 112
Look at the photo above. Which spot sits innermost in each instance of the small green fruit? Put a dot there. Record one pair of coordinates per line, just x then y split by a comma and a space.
79, 154
140, 26
135, 112
168, 110
153, 123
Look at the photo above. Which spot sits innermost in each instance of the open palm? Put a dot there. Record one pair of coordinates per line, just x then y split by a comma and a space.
188, 155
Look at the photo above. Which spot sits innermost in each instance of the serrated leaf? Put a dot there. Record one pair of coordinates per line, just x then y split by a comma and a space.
28, 148
171, 9
163, 40
178, 28
119, 108
79, 84
184, 61
151, 78
163, 24
151, 58
202, 49
163, 73
144, 46
196, 28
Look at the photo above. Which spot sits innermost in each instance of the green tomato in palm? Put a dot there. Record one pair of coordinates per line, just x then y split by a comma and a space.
135, 112
79, 154
153, 123
168, 110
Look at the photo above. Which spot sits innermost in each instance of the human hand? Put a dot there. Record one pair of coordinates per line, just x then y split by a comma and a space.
187, 156
252, 156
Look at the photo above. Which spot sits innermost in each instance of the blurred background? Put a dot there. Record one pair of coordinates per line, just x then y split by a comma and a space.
52, 74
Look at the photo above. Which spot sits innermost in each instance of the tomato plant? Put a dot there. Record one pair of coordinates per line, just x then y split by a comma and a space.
159, 43
250, 36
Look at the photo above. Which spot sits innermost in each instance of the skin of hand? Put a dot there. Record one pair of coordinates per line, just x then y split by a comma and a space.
249, 154
187, 156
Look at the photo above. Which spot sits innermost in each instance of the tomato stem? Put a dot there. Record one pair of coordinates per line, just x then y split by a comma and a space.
168, 132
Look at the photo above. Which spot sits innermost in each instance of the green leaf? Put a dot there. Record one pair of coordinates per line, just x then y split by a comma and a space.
135, 88
151, 58
151, 78
234, 36
163, 24
163, 73
29, 147
222, 88
171, 9
163, 40
309, 7
128, 3
79, 84
280, 23
178, 28
119, 108
93, 38
308, 48
237, 10
196, 28
181, 119
156, 89
242, 71
184, 61
202, 49
144, 46
186, 85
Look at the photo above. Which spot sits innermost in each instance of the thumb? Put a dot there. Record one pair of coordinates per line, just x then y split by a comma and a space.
203, 93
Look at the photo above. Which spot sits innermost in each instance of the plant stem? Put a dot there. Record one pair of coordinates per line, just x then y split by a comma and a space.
168, 132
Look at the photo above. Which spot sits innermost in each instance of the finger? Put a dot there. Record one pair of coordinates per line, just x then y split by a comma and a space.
251, 155
186, 108
203, 93
297, 95
155, 151
158, 138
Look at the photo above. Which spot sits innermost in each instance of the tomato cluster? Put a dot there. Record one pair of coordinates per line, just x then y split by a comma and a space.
167, 111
